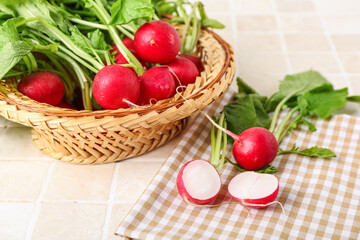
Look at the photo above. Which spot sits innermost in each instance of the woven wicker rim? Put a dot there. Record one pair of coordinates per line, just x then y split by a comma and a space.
55, 111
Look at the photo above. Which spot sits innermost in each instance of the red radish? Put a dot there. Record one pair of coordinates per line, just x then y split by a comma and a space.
195, 60
185, 70
63, 104
156, 83
157, 42
120, 59
45, 86
114, 86
198, 182
255, 148
256, 190
129, 43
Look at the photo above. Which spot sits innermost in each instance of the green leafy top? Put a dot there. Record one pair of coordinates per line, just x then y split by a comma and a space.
126, 11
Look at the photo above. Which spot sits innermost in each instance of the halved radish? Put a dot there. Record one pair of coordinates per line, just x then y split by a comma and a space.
256, 190
198, 182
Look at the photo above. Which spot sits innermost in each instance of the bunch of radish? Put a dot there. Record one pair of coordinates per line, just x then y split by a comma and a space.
156, 43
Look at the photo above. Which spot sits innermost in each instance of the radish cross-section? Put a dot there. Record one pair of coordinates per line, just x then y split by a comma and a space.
253, 189
198, 182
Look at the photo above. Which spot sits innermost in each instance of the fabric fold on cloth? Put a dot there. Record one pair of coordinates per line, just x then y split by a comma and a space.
321, 197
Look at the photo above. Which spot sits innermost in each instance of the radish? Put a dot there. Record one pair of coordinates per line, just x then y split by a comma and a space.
253, 189
156, 83
157, 42
195, 60
185, 70
120, 59
198, 182
45, 86
129, 43
115, 87
255, 148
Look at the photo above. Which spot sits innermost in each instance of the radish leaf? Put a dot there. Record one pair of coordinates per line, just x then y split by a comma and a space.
246, 112
302, 82
126, 11
322, 101
309, 152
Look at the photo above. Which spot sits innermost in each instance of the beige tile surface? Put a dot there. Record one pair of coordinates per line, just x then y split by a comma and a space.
21, 180
343, 6
59, 221
344, 24
133, 179
23, 149
119, 211
271, 63
256, 23
300, 23
14, 219
323, 62
346, 42
296, 6
258, 43
355, 83
253, 6
76, 182
307, 43
44, 199
351, 62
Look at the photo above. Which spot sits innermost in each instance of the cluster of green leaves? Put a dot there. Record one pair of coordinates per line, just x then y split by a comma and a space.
304, 95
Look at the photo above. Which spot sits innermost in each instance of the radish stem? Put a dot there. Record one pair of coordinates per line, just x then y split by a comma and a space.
278, 109
283, 123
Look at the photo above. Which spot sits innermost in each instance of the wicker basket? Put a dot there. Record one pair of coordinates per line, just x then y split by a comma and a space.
96, 137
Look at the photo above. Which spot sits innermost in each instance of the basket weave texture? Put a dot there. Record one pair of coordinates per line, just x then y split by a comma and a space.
96, 137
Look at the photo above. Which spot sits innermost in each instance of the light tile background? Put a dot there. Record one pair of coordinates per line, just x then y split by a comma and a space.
42, 198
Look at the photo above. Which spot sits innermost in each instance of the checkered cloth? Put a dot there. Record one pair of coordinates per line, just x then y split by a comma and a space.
321, 197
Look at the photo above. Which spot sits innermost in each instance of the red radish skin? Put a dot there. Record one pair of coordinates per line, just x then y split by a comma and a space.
156, 83
114, 85
45, 87
129, 43
185, 71
255, 190
157, 42
120, 59
255, 148
195, 60
198, 182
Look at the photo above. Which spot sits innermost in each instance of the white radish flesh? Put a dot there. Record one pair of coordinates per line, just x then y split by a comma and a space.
198, 182
254, 189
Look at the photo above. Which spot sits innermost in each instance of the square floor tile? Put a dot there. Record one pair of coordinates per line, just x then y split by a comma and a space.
70, 221
21, 180
14, 219
133, 178
80, 182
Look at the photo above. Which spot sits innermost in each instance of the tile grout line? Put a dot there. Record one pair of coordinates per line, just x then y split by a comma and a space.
110, 202
39, 202
333, 48
282, 37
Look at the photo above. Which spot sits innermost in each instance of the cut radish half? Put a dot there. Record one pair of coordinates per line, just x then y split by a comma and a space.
198, 182
253, 189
